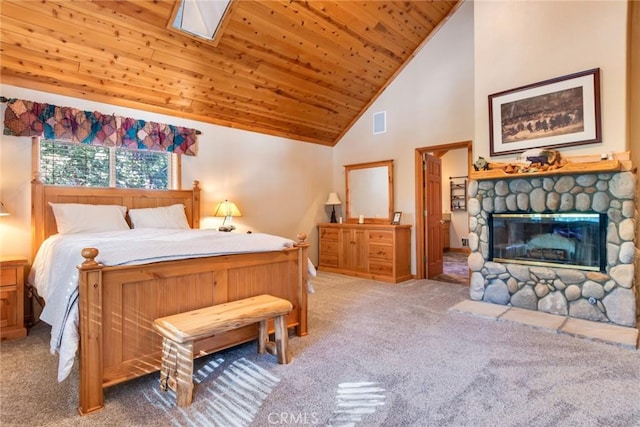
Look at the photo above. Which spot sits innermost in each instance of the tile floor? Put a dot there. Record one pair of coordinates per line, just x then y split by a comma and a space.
455, 268
597, 331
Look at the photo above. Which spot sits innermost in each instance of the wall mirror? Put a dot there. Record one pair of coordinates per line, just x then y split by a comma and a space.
369, 190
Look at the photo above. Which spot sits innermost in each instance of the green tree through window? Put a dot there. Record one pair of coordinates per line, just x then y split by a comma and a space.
142, 169
99, 166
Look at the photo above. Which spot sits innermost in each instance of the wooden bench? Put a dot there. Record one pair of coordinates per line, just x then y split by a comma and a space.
179, 332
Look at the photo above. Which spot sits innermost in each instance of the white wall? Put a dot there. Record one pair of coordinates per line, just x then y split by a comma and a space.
279, 185
429, 103
634, 91
519, 43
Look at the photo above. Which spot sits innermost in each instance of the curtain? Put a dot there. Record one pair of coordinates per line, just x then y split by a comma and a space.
28, 118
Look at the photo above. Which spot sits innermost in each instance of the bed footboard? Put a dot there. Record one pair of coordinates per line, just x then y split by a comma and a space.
118, 305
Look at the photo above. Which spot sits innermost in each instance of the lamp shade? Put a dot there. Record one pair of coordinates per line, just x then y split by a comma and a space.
227, 208
333, 199
3, 210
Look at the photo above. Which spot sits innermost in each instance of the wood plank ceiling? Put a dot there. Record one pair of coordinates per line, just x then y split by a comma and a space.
304, 70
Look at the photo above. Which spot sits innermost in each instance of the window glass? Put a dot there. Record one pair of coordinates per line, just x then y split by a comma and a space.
142, 169
99, 166
74, 164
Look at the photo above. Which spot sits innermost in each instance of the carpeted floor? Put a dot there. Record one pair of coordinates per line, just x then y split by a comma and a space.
376, 355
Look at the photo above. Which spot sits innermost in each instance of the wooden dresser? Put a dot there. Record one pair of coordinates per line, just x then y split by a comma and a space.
12, 298
373, 251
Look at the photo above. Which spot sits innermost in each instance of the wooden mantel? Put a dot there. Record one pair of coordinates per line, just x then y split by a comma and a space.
574, 165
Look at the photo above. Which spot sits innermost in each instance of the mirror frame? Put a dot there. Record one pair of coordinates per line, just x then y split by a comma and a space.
383, 163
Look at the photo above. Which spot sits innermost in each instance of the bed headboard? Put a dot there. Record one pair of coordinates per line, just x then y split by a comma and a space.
43, 223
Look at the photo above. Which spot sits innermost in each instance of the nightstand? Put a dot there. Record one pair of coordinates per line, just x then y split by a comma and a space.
12, 298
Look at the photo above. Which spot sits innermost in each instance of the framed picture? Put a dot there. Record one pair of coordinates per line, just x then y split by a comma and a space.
396, 217
554, 113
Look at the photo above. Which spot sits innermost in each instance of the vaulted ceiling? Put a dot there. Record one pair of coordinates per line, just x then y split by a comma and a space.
305, 70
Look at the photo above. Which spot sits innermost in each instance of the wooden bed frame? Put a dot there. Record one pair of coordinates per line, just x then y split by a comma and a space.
118, 304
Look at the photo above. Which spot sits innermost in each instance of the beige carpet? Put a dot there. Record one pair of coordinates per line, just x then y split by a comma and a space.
376, 355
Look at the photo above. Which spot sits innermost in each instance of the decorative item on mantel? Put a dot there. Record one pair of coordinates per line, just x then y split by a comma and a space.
536, 161
550, 162
481, 164
333, 200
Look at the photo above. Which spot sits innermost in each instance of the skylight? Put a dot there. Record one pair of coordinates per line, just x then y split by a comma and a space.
200, 18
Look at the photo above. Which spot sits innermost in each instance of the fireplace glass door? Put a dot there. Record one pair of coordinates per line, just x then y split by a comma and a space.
571, 240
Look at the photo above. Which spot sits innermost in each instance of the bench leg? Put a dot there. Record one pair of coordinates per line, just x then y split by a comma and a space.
279, 348
184, 377
168, 367
282, 340
263, 336
176, 371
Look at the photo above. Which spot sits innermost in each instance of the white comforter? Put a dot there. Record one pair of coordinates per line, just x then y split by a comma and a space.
55, 276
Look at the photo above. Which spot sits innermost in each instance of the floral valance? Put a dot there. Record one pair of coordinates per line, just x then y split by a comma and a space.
28, 118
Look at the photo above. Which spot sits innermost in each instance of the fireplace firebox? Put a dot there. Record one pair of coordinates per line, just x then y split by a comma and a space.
569, 240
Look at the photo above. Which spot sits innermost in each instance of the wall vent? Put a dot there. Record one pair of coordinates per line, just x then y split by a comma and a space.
379, 122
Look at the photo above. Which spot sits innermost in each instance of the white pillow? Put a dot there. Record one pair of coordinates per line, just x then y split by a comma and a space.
163, 217
80, 218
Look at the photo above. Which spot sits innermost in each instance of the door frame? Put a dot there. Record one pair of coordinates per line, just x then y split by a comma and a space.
438, 151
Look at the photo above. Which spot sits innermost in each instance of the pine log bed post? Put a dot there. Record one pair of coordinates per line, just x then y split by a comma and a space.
303, 277
90, 324
37, 214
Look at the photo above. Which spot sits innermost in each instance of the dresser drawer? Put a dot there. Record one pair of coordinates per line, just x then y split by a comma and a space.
12, 301
8, 276
382, 268
381, 237
329, 253
381, 252
328, 260
329, 234
329, 247
8, 306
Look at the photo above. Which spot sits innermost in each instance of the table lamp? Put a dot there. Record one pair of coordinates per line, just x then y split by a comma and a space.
227, 210
333, 200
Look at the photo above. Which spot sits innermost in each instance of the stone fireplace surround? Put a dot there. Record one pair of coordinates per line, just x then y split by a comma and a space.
604, 297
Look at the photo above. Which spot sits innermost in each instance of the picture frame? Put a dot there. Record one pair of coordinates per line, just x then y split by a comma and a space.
560, 112
396, 218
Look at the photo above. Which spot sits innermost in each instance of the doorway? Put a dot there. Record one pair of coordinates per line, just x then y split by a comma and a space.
453, 261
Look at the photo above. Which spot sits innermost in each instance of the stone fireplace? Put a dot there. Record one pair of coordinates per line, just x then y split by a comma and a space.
561, 244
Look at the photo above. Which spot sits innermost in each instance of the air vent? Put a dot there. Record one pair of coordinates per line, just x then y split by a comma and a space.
379, 122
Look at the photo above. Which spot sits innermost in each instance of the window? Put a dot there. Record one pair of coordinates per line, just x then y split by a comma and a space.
141, 169
204, 19
99, 166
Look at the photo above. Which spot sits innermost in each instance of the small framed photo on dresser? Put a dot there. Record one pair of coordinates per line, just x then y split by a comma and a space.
396, 218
